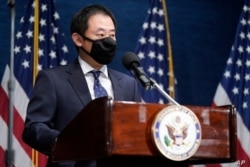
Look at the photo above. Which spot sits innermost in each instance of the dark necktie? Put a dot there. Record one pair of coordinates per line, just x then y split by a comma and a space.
99, 90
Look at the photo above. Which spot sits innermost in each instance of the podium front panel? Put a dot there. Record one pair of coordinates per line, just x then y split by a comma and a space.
131, 131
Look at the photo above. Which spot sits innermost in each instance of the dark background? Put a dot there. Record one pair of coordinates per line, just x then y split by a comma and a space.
202, 33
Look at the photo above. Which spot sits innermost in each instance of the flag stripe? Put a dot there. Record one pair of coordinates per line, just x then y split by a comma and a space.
243, 136
2, 152
22, 159
22, 101
218, 101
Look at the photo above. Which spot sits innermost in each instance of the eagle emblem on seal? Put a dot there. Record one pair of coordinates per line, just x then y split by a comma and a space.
177, 131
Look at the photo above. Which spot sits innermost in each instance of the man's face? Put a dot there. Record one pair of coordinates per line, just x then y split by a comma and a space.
99, 26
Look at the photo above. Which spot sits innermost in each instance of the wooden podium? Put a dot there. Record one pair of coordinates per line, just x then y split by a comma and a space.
106, 128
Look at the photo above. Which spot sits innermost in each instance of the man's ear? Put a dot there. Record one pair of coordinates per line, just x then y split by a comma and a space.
77, 39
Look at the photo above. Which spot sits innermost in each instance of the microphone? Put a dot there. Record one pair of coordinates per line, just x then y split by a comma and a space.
131, 62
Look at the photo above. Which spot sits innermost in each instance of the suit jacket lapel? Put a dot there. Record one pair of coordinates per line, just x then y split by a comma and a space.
78, 82
117, 84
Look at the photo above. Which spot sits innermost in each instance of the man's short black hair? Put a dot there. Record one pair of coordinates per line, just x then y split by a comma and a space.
79, 22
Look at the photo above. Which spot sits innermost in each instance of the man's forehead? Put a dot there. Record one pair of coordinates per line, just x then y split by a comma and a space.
100, 18
101, 23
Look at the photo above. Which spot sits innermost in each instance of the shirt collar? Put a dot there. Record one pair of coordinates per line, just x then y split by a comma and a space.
86, 68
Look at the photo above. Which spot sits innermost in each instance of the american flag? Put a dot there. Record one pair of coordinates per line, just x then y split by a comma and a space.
153, 49
234, 88
50, 52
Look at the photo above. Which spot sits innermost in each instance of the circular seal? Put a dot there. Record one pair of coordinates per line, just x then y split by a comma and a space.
176, 132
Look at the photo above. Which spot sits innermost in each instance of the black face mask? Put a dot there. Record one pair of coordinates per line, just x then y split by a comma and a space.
103, 50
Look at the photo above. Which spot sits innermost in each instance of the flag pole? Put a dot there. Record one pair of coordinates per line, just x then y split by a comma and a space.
170, 55
35, 40
34, 155
11, 86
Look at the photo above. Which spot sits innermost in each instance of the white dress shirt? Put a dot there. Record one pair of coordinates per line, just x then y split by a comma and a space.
104, 78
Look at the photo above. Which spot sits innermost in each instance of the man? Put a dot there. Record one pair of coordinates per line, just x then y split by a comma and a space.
61, 93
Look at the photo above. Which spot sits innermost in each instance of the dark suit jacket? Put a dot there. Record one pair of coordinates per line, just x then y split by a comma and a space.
59, 95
